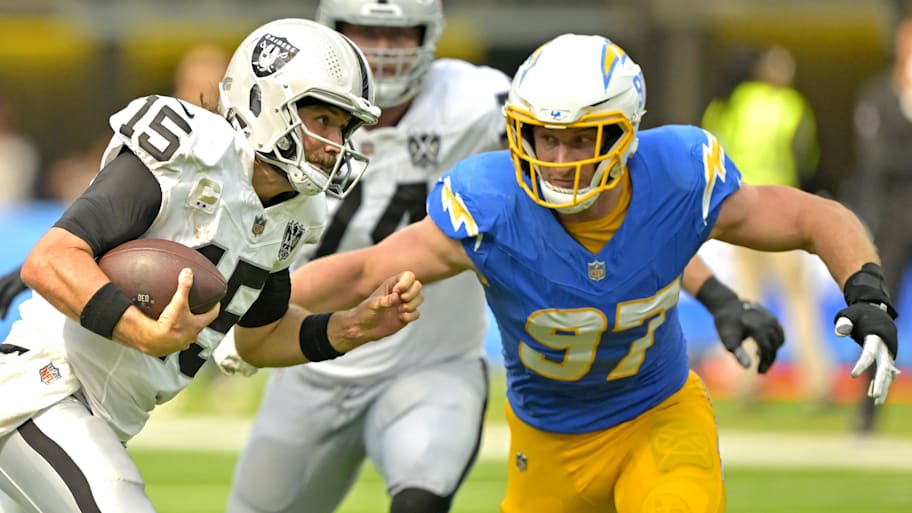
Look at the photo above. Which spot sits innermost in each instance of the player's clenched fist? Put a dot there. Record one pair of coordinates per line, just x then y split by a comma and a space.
392, 306
405, 291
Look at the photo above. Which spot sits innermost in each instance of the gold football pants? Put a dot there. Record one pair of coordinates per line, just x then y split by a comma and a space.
664, 461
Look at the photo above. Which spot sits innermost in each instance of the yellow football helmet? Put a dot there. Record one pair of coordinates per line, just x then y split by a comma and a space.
575, 81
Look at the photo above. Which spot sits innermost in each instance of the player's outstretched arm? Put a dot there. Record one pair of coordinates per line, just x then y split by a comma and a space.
390, 308
776, 218
342, 280
735, 319
301, 337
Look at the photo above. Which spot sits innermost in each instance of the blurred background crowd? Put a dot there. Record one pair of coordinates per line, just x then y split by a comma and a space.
808, 93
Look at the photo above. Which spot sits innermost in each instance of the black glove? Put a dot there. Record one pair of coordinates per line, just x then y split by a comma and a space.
736, 320
10, 287
869, 308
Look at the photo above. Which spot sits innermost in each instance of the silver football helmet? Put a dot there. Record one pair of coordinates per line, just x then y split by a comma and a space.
575, 81
278, 65
410, 65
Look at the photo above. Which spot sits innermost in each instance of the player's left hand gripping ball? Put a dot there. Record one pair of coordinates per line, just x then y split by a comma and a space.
869, 320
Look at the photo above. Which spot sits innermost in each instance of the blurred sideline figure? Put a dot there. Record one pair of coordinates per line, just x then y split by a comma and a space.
196, 79
881, 189
68, 176
414, 403
198, 73
18, 157
768, 128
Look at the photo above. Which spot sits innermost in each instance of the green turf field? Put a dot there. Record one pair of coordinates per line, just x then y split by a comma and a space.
197, 482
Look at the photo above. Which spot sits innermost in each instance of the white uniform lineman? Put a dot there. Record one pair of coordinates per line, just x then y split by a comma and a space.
414, 402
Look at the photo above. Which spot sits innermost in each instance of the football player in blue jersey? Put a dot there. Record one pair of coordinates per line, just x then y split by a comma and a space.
415, 402
580, 233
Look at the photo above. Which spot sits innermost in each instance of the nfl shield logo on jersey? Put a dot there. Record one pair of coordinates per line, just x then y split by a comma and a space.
522, 463
596, 270
49, 374
271, 53
259, 225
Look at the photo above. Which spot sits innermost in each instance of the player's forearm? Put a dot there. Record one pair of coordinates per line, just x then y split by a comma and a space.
332, 283
283, 343
839, 239
63, 273
273, 345
695, 275
69, 280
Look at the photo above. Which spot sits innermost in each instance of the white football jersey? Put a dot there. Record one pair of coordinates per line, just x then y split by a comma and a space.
457, 113
204, 167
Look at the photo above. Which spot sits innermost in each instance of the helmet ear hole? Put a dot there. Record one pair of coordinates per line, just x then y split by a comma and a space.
527, 135
256, 100
610, 136
286, 147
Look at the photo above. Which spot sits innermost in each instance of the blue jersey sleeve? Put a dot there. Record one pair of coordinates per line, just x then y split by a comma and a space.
471, 199
717, 179
691, 173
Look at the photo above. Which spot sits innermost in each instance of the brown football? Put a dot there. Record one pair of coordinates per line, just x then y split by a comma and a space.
146, 271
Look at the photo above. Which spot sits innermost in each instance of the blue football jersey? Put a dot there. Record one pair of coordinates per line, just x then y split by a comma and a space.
589, 340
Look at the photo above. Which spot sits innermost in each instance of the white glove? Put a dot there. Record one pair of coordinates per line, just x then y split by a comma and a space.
874, 350
229, 361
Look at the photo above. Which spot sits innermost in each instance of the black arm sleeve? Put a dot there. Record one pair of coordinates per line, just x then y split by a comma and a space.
120, 205
272, 303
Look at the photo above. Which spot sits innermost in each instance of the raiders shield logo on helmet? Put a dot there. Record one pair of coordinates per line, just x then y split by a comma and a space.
271, 53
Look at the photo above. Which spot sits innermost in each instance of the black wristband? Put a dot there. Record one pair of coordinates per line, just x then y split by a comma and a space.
868, 285
714, 294
314, 339
103, 311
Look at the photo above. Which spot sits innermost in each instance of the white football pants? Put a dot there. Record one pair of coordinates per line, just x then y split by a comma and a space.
421, 429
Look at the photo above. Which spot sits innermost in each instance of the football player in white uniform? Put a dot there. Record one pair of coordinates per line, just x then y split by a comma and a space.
81, 371
413, 403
